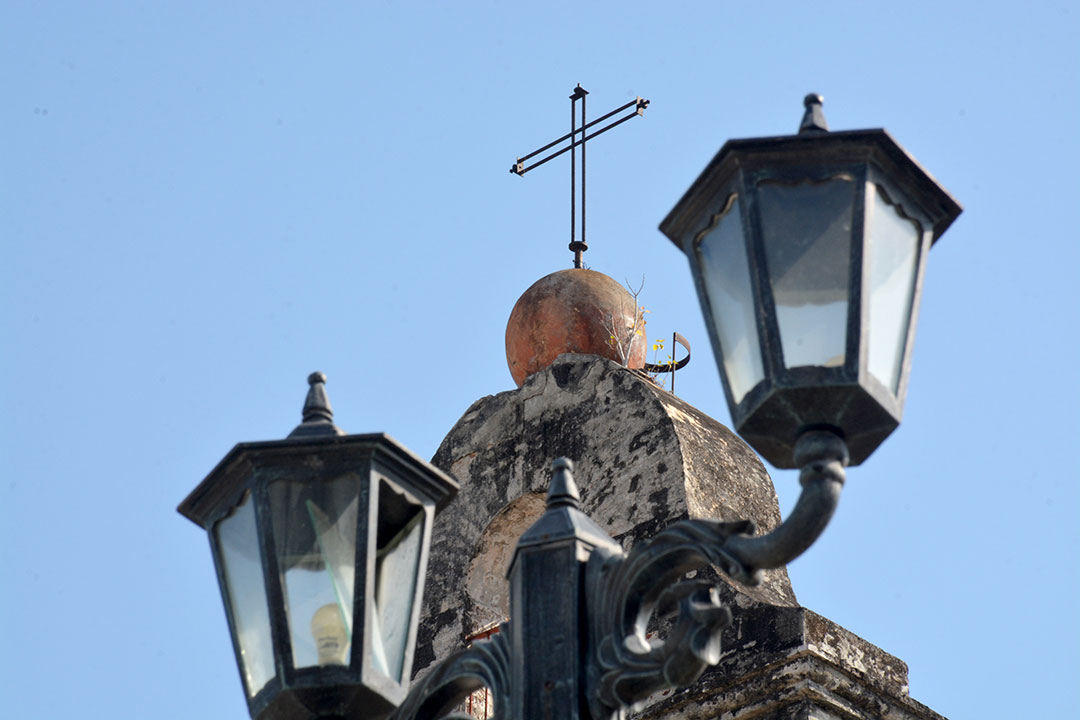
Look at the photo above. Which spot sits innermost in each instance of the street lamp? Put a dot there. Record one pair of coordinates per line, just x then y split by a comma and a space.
808, 253
321, 543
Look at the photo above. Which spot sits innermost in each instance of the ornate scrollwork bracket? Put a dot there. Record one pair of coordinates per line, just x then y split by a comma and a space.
624, 591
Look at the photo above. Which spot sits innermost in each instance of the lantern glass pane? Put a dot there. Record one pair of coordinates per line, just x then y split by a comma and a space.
892, 256
238, 546
399, 542
806, 229
721, 254
315, 542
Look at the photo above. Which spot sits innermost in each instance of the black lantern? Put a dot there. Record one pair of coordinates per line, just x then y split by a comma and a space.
321, 544
808, 252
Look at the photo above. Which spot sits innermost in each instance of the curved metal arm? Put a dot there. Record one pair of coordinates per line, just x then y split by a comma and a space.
485, 664
822, 455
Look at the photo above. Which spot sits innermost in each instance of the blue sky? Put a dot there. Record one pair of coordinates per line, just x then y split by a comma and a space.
201, 203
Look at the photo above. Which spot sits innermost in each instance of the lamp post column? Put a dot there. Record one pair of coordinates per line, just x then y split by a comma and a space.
549, 630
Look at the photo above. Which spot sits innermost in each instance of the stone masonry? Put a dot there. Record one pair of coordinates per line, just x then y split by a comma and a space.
643, 460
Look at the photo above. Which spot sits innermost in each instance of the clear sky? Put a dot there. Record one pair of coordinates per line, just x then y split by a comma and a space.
201, 203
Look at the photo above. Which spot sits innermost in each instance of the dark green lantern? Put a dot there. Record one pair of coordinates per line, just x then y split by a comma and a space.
808, 253
321, 543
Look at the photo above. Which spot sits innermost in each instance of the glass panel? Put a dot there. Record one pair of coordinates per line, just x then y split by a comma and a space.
721, 252
238, 547
807, 234
315, 542
892, 253
397, 567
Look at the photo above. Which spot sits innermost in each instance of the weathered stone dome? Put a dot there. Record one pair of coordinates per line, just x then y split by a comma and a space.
574, 311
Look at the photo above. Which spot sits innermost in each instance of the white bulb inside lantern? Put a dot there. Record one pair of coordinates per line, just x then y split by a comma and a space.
331, 637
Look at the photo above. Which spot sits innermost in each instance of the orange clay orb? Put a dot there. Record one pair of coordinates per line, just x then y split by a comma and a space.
573, 311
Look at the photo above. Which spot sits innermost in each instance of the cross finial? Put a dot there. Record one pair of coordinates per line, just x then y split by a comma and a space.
578, 246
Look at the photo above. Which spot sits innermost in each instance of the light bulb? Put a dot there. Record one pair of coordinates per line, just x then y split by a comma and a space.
331, 638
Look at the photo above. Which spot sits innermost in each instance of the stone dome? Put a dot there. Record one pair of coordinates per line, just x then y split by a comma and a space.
574, 311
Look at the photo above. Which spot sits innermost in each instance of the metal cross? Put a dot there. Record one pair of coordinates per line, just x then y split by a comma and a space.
518, 168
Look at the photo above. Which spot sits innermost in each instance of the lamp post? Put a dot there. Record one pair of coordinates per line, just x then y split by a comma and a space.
808, 253
321, 543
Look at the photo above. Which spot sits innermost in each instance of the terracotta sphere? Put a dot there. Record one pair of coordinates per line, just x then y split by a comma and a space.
573, 311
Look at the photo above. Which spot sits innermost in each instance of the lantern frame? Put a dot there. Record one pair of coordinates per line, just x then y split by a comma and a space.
847, 399
375, 460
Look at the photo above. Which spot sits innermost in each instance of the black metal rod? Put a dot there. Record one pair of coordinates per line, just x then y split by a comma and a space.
577, 253
822, 455
600, 119
573, 174
554, 155
674, 335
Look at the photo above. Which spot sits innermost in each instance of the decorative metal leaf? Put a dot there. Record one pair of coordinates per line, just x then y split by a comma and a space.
625, 590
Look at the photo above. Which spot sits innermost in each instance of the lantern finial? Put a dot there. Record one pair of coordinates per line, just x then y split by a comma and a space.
318, 416
813, 120
563, 490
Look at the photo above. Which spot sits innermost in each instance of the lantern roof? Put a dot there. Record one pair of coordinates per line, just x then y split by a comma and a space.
229, 479
227, 482
813, 145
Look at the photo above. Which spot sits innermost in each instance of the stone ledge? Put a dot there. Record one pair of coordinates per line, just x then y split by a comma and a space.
802, 685
762, 635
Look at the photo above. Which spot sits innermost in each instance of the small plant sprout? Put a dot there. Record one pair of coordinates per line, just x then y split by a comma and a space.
623, 339
669, 362
667, 365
